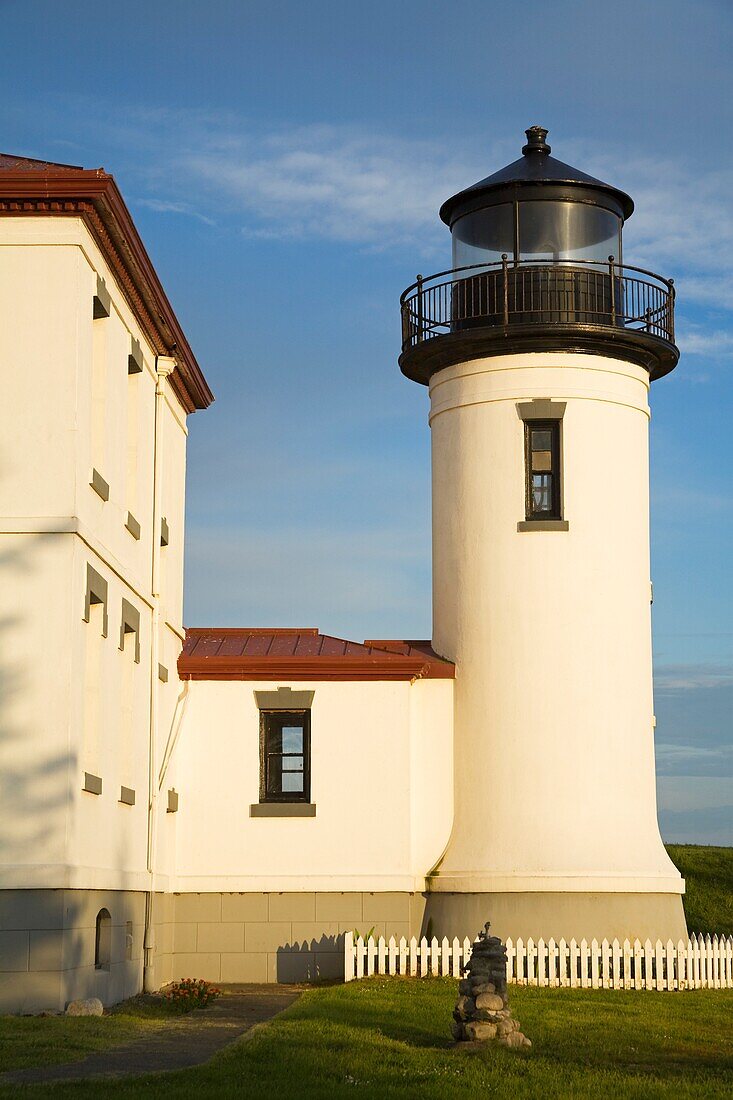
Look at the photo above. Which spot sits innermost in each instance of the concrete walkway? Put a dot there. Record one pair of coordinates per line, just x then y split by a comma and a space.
187, 1041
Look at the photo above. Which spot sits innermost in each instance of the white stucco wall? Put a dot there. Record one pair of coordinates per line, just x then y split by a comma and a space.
551, 631
381, 780
72, 406
36, 758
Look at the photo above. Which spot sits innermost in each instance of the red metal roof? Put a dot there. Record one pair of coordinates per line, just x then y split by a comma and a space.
234, 653
11, 162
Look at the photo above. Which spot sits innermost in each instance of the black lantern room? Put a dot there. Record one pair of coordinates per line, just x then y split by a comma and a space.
537, 265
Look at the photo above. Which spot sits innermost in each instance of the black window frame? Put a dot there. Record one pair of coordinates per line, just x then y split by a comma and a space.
553, 426
272, 721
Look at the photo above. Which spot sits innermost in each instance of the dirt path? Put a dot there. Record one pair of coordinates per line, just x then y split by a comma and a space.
188, 1041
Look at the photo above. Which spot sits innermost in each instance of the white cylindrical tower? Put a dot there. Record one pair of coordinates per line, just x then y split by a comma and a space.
538, 348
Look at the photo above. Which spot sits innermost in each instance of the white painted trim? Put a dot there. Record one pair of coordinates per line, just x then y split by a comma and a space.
71, 525
63, 876
300, 884
585, 884
479, 399
541, 360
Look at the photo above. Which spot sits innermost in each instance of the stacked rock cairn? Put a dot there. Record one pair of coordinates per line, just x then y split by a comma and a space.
482, 1011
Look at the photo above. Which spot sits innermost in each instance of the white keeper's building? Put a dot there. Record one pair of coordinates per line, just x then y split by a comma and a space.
226, 803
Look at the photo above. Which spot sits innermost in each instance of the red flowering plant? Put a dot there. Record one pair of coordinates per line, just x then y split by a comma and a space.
190, 993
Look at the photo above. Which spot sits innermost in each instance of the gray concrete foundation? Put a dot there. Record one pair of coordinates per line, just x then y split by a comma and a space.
557, 916
47, 944
282, 937
47, 939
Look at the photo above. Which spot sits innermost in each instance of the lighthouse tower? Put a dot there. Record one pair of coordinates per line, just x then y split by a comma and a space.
538, 349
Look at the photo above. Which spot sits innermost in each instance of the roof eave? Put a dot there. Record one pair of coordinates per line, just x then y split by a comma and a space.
473, 198
81, 193
380, 667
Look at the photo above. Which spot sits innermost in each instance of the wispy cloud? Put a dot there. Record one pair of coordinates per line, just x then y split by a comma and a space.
369, 188
332, 182
694, 340
678, 793
685, 677
354, 582
676, 760
683, 221
690, 501
694, 733
163, 206
372, 188
704, 824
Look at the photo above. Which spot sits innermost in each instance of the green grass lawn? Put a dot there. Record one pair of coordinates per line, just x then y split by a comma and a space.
386, 1037
709, 883
47, 1040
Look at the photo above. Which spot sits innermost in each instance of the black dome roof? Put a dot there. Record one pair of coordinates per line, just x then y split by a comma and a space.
535, 167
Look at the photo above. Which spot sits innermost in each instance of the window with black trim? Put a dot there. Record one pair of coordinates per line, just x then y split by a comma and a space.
284, 756
542, 469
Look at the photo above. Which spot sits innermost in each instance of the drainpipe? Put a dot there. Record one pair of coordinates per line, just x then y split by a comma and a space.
164, 365
174, 731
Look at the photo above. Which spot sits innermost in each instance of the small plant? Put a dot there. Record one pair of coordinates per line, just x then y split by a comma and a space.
190, 993
368, 936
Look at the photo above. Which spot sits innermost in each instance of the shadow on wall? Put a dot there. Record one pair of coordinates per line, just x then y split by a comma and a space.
311, 960
49, 952
33, 798
33, 778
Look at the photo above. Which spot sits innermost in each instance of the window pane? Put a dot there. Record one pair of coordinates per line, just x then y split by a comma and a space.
292, 783
542, 440
274, 774
292, 739
542, 460
292, 763
541, 492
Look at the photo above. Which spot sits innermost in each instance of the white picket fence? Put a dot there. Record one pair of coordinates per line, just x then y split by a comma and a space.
702, 962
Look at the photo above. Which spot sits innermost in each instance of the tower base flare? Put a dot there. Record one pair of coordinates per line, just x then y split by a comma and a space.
557, 915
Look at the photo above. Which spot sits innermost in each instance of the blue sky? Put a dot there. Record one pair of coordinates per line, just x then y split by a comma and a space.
284, 163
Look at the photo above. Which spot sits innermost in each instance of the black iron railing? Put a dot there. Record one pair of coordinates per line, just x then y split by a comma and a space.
538, 292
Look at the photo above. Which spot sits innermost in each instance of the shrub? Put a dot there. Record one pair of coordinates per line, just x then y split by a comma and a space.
364, 935
190, 993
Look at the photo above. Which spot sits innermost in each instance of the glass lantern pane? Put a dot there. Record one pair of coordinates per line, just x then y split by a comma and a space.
482, 236
567, 231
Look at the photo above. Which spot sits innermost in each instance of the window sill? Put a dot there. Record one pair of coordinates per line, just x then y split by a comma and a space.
282, 809
543, 525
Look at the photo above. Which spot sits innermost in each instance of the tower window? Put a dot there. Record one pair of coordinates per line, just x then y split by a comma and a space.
542, 466
285, 756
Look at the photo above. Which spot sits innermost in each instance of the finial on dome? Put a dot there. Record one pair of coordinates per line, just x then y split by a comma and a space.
536, 140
